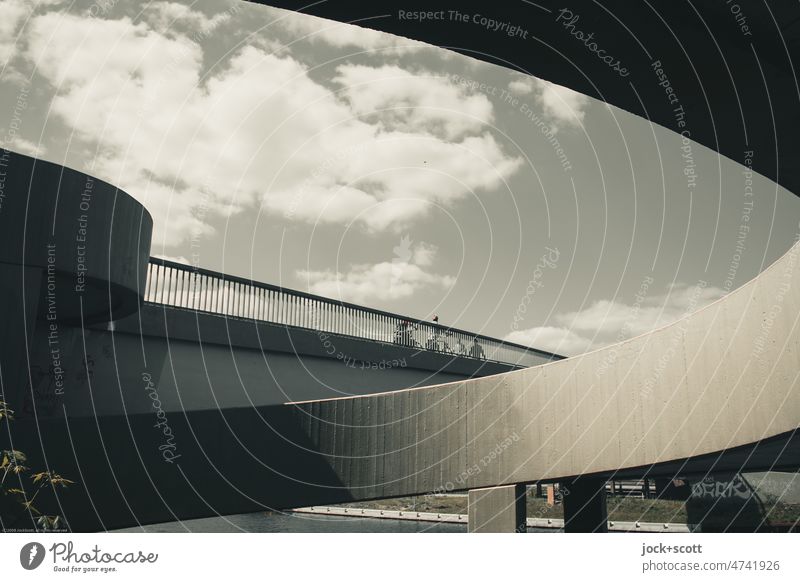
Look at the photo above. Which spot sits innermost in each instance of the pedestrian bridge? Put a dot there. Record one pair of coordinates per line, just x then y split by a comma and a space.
188, 403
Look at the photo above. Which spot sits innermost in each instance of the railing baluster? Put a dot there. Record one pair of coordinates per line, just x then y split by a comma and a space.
248, 289
208, 298
271, 305
174, 296
167, 282
154, 294
152, 280
180, 288
253, 311
148, 278
195, 290
189, 287
238, 299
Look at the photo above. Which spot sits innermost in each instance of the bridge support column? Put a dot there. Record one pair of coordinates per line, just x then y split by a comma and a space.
497, 509
584, 501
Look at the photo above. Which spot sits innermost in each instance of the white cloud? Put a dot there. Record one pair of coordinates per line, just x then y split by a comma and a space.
402, 100
402, 277
25, 146
562, 105
399, 179
610, 318
341, 35
557, 340
608, 322
179, 259
257, 129
522, 85
174, 16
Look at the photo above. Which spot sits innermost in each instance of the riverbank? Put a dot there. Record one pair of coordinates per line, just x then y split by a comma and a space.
619, 508
533, 523
669, 515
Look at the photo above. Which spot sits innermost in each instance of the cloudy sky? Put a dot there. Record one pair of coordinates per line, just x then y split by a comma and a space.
359, 165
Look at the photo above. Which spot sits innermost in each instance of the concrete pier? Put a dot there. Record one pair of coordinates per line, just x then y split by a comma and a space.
497, 510
584, 500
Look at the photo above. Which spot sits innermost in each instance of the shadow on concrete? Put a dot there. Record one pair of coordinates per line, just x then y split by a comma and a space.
216, 463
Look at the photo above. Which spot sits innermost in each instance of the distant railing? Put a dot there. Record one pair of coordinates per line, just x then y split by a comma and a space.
187, 287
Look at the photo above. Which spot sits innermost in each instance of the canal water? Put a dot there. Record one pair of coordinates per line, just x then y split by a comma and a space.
302, 523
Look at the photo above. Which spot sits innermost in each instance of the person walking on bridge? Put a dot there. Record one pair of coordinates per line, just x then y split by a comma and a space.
433, 337
476, 350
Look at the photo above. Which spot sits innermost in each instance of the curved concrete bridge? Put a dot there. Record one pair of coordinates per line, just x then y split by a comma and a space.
716, 391
167, 414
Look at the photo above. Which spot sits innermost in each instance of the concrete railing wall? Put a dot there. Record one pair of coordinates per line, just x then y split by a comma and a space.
704, 389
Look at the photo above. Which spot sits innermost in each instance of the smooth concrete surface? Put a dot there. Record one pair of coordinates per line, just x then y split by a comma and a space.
717, 388
584, 501
734, 89
89, 237
191, 361
497, 510
17, 285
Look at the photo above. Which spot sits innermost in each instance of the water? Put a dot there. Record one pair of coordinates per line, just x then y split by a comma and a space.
299, 523
304, 523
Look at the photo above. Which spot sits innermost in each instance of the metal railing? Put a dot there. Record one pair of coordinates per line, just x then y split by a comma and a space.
187, 287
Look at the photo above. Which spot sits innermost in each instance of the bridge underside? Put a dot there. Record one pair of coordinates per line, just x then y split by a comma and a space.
238, 461
737, 86
728, 401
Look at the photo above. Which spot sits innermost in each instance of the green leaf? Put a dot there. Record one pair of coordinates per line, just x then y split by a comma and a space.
5, 411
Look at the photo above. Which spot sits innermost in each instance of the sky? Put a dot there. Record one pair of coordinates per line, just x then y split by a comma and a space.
372, 168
